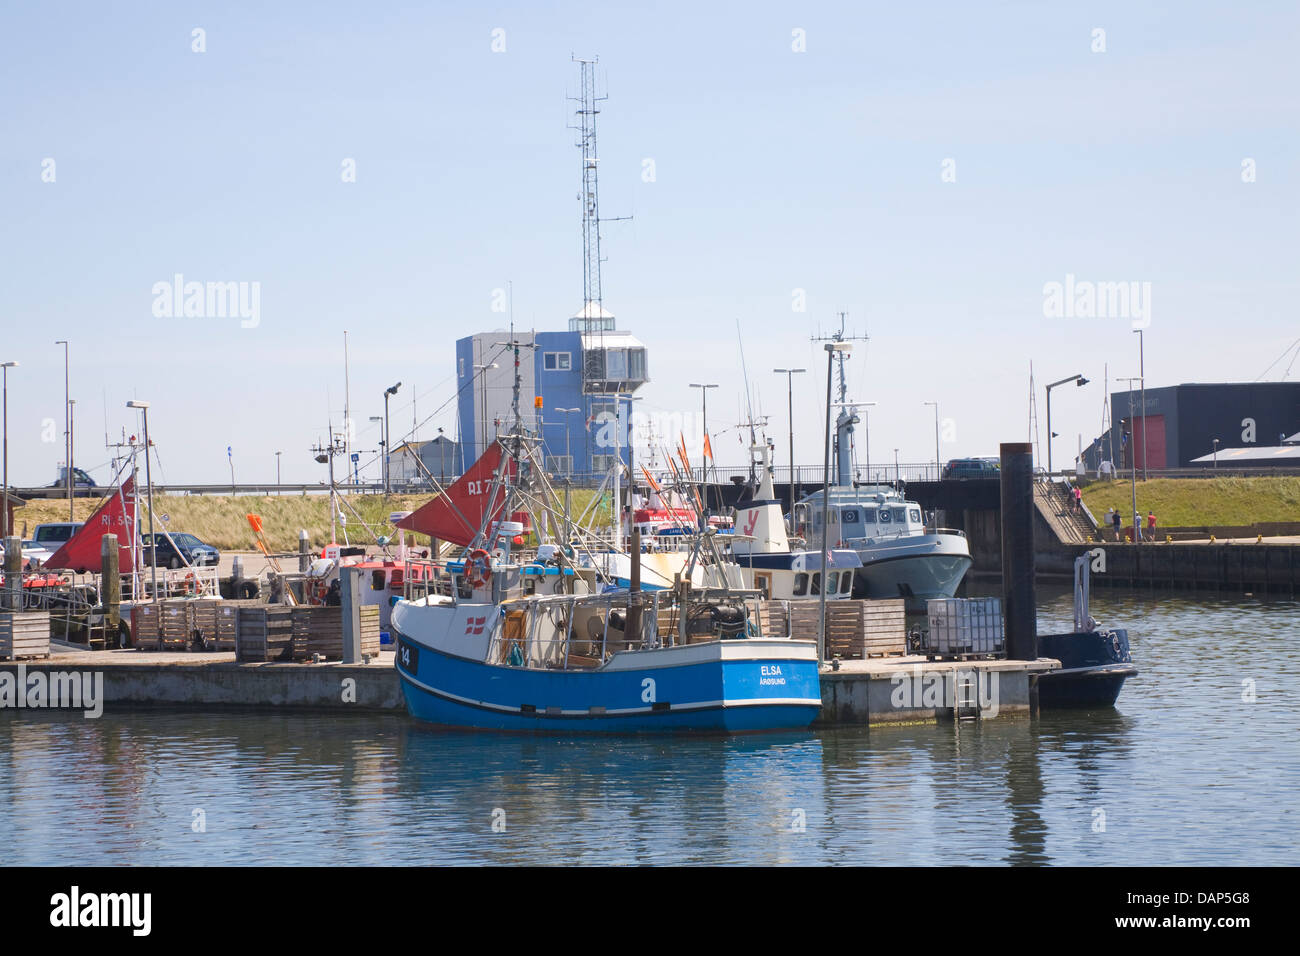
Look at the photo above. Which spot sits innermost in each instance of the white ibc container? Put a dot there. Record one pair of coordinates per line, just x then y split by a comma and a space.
965, 626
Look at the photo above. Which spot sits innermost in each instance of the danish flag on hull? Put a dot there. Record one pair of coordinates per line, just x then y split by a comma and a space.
457, 515
116, 516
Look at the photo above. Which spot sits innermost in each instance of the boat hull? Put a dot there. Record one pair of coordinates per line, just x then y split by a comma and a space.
915, 577
702, 688
1094, 666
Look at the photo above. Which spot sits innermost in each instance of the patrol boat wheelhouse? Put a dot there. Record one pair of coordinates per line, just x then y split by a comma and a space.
901, 556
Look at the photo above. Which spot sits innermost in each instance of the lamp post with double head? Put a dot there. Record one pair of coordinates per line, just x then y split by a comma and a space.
789, 374
937, 466
568, 450
1078, 380
831, 349
67, 426
4, 509
148, 478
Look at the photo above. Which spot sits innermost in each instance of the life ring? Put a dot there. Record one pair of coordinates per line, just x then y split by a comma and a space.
189, 584
478, 568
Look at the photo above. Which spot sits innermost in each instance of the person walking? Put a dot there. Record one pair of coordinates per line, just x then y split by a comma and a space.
1115, 523
1077, 495
1151, 525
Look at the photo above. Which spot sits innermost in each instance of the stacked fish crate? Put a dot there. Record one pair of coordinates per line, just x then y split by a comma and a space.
965, 629
145, 626
24, 634
175, 626
855, 629
271, 633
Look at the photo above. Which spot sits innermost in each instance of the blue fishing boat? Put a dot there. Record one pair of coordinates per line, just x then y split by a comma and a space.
500, 641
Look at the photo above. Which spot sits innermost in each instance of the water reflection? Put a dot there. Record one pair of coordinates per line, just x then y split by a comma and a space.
1183, 770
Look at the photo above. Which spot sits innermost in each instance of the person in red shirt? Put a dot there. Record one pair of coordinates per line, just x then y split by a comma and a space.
1151, 524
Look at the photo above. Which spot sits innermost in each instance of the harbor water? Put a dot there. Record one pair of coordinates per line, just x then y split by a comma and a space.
1197, 764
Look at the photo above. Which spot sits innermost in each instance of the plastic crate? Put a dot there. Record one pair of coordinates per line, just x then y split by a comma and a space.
962, 627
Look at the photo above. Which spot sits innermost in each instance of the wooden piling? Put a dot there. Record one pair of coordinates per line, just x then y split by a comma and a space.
1019, 598
110, 587
633, 628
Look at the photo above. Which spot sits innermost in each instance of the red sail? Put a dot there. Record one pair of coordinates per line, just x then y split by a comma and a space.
115, 516
457, 515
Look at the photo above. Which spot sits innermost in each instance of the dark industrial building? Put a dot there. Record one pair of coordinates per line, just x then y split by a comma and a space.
1183, 421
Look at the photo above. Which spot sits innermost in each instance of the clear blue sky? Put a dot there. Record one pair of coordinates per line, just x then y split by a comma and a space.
775, 170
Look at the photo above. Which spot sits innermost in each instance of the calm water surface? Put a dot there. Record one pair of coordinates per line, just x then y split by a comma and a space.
1181, 771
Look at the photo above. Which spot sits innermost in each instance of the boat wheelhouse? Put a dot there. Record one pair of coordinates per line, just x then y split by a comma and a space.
901, 555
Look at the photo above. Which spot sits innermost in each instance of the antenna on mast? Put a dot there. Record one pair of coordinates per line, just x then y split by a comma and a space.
848, 416
587, 111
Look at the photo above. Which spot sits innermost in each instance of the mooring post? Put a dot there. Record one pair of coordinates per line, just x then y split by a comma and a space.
634, 591
14, 573
110, 587
304, 552
350, 588
1019, 601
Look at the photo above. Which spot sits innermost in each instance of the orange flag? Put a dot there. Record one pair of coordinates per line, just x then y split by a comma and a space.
708, 448
653, 484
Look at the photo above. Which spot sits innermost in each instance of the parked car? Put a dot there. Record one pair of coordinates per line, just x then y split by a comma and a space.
82, 484
960, 468
55, 534
187, 549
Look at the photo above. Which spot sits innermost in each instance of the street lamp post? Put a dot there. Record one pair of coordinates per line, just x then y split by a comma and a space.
67, 427
148, 478
831, 349
4, 515
866, 434
388, 392
442, 458
1216, 454
481, 370
1078, 380
277, 472
1142, 385
568, 450
937, 467
790, 373
897, 475
704, 468
383, 447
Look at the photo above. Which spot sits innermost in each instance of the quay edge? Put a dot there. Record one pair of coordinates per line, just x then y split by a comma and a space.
860, 692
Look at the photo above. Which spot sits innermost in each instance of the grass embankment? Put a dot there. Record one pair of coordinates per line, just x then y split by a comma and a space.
220, 520
1197, 502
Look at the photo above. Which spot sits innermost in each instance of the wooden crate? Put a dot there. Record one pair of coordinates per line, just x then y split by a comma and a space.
264, 633
855, 628
24, 634
176, 626
325, 632
773, 618
203, 615
146, 626
884, 632
370, 630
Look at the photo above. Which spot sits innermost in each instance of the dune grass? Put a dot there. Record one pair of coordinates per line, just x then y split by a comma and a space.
220, 520
1197, 502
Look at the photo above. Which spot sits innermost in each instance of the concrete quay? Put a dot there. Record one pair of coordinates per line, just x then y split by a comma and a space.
877, 691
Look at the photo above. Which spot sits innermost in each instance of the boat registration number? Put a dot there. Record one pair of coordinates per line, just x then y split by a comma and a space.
408, 657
